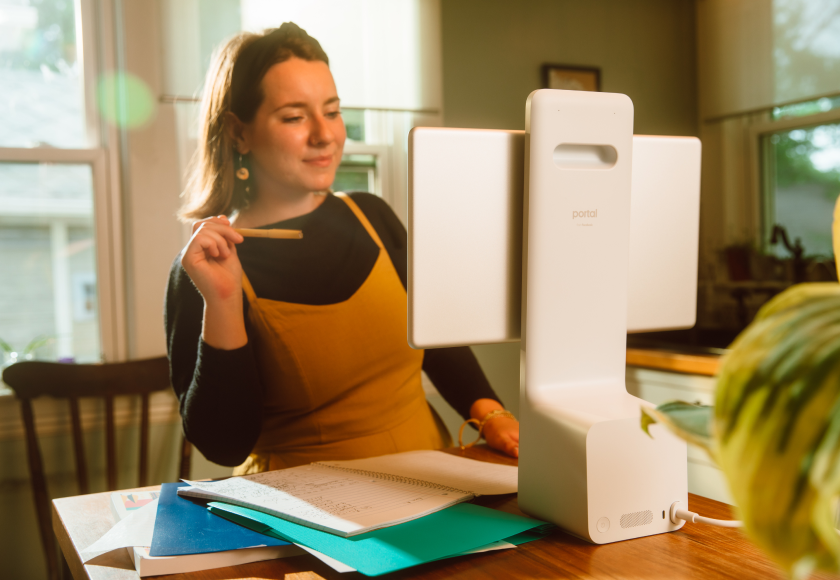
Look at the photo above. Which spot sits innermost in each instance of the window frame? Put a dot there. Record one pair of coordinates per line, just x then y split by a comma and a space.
760, 199
382, 171
98, 41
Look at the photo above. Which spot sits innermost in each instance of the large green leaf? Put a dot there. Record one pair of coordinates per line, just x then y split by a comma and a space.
690, 422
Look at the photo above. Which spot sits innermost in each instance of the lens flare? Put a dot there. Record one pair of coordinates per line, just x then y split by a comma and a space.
125, 100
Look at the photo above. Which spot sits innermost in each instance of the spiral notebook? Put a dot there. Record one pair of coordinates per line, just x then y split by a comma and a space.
347, 498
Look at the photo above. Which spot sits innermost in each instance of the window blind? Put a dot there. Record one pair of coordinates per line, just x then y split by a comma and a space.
756, 54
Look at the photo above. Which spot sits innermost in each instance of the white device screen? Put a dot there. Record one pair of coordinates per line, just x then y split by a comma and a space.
465, 208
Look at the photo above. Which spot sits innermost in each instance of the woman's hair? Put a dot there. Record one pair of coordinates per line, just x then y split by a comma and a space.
234, 85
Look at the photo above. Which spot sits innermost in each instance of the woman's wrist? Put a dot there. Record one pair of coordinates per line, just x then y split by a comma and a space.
224, 324
495, 424
482, 407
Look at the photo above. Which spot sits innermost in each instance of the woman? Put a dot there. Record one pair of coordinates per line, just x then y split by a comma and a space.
284, 352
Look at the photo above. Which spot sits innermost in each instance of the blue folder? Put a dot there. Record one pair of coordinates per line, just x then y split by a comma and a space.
438, 535
184, 526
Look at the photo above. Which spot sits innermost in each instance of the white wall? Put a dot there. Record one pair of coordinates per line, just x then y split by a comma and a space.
493, 51
152, 184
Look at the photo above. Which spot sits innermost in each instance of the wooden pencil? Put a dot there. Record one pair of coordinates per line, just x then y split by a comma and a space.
274, 234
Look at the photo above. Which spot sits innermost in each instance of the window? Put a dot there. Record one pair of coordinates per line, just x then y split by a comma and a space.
53, 181
41, 75
801, 179
356, 173
48, 302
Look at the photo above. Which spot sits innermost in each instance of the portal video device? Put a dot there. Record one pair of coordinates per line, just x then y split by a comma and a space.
565, 237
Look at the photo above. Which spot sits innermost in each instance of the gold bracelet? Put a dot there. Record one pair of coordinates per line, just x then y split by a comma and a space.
489, 416
461, 433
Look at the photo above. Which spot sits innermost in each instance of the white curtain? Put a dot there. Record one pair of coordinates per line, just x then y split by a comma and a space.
383, 53
806, 48
754, 54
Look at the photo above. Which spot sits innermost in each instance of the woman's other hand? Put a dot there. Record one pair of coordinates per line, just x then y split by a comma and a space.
501, 433
211, 262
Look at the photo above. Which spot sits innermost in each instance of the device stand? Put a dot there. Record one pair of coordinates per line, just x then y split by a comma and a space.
585, 464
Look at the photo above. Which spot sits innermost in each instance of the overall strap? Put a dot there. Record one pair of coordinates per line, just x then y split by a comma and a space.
248, 289
361, 217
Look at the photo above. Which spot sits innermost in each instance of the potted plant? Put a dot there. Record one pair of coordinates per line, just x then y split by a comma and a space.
775, 427
10, 356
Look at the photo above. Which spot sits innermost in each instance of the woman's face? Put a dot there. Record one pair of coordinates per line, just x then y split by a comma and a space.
297, 135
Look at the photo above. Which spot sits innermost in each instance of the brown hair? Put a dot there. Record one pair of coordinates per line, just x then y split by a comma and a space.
234, 85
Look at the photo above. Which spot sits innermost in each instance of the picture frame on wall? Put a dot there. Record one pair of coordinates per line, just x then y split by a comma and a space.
571, 78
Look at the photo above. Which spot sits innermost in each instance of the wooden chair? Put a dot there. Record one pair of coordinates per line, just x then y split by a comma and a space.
32, 379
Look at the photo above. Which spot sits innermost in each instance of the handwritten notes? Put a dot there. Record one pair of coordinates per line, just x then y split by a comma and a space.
333, 500
479, 477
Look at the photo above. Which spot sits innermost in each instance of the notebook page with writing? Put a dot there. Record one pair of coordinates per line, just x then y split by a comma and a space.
330, 499
478, 477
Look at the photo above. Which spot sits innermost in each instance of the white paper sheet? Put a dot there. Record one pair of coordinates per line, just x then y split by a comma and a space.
134, 530
500, 545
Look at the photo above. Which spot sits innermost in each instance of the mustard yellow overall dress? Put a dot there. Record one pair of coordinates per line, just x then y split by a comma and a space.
340, 380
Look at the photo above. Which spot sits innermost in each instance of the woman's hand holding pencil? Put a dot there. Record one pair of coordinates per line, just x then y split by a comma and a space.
211, 262
210, 257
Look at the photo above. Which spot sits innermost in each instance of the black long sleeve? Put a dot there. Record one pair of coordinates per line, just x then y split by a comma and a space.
220, 392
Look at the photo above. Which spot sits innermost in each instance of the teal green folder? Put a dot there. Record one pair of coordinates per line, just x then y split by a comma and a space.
444, 533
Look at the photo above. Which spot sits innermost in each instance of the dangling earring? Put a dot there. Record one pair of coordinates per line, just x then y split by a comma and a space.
242, 173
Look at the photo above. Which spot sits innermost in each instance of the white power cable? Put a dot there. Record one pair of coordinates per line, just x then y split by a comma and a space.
678, 515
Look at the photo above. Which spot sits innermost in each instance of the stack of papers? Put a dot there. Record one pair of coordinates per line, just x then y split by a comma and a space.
374, 515
357, 496
188, 538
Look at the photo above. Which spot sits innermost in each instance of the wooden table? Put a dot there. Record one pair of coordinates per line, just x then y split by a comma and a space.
695, 551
